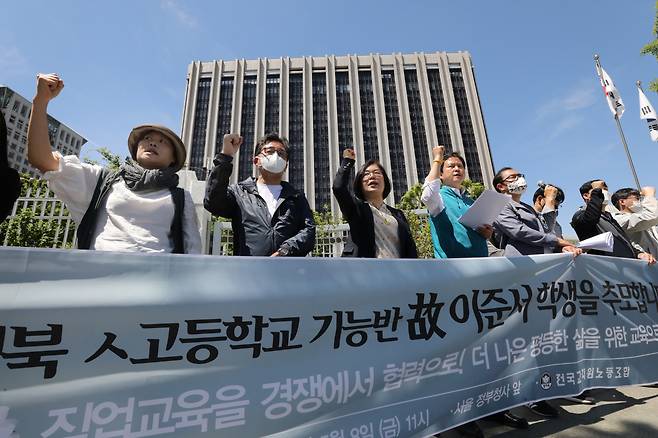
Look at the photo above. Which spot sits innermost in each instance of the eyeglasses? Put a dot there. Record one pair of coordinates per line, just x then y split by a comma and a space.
514, 177
269, 151
372, 173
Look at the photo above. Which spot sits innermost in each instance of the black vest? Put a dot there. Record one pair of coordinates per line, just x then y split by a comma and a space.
106, 179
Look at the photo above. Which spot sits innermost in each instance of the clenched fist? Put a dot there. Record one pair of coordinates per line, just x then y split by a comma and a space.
349, 153
48, 86
232, 143
437, 153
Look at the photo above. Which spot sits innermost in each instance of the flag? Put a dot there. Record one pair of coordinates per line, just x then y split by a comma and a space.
612, 95
649, 114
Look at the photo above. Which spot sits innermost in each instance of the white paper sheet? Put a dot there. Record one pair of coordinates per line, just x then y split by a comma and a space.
601, 242
485, 209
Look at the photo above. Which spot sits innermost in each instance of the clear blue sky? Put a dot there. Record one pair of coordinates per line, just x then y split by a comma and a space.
124, 63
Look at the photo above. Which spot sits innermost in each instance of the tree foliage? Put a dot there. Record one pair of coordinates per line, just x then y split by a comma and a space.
110, 160
410, 203
651, 48
27, 230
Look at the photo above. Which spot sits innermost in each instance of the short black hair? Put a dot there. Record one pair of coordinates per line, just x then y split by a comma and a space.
268, 138
452, 155
624, 194
586, 187
559, 198
358, 179
498, 178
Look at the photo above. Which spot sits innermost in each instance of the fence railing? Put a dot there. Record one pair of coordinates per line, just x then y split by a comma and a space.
330, 239
44, 206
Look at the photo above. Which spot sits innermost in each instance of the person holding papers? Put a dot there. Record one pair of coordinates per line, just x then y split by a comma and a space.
593, 219
376, 229
522, 230
447, 201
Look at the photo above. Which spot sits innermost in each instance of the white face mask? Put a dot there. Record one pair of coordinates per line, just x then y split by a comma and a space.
273, 163
636, 207
517, 187
606, 197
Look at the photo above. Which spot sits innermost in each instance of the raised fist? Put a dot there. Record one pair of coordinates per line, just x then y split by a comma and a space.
437, 153
232, 143
349, 153
48, 86
550, 192
648, 191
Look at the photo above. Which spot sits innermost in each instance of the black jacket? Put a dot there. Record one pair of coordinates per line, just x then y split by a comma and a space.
593, 220
291, 230
10, 180
359, 217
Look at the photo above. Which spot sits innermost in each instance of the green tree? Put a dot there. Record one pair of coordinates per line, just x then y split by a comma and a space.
110, 160
419, 224
324, 222
26, 230
651, 48
473, 188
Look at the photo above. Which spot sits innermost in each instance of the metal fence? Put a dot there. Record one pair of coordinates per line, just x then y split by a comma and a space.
329, 241
44, 206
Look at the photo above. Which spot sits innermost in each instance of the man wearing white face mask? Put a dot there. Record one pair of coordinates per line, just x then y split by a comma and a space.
269, 216
638, 215
594, 219
521, 230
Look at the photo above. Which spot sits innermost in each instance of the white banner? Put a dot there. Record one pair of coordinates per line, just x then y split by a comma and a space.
98, 344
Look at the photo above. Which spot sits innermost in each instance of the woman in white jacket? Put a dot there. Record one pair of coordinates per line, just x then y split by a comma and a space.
138, 208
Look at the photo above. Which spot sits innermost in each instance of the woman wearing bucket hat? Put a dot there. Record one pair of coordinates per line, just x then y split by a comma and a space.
138, 208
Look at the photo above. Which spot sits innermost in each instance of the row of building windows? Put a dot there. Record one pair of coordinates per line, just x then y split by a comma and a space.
343, 96
53, 127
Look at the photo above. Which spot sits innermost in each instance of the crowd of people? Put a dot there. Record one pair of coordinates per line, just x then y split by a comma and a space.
141, 208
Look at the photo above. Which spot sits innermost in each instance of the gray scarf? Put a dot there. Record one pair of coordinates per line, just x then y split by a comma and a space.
138, 179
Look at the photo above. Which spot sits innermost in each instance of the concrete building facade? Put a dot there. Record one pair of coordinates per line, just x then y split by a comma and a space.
16, 110
391, 107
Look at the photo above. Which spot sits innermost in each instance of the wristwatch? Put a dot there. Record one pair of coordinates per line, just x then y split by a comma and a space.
284, 251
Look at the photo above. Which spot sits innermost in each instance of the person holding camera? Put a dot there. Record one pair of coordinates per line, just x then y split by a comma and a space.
521, 229
546, 201
637, 214
594, 218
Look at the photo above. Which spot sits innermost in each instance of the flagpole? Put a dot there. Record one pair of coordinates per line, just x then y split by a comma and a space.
621, 133
628, 154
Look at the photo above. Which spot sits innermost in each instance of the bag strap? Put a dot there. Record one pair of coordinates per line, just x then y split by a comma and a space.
87, 225
176, 232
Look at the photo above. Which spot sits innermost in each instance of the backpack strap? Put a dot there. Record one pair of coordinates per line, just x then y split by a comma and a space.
176, 232
87, 225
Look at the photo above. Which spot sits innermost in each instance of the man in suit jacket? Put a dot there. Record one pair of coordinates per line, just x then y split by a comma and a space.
521, 229
593, 219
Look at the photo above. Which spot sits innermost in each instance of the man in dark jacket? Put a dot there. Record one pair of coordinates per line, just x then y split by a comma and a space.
593, 219
9, 178
269, 216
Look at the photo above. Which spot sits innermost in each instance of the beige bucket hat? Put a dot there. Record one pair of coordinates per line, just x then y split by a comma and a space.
140, 131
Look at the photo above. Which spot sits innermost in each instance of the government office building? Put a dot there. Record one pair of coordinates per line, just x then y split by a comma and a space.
391, 107
16, 109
